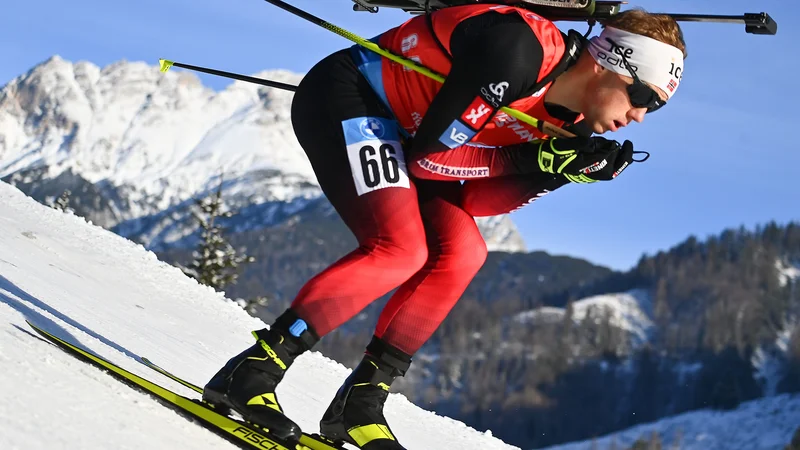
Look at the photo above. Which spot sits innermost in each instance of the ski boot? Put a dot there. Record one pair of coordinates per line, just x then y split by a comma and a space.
356, 413
246, 384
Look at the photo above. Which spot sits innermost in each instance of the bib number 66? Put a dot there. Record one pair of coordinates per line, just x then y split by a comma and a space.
375, 154
379, 166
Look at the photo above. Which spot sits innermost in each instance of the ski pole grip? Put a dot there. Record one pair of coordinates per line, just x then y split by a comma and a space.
760, 23
552, 130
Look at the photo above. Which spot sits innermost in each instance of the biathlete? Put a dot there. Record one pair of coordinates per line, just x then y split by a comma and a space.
408, 162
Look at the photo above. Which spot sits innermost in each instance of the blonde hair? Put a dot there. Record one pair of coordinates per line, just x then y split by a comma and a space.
656, 26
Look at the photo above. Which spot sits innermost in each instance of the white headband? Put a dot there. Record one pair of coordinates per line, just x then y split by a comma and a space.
654, 62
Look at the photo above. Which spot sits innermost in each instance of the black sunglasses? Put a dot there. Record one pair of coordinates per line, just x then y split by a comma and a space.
641, 95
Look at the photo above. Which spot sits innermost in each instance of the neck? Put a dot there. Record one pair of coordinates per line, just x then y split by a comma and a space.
567, 90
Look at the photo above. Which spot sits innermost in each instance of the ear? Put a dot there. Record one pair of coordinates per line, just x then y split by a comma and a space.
598, 69
589, 65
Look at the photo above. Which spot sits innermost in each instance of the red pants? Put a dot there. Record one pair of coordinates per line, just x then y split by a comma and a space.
412, 234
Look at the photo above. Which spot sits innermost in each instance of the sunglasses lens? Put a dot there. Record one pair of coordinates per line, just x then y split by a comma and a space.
643, 96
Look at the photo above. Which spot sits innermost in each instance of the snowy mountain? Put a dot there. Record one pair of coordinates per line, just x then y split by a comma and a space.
146, 142
112, 296
628, 311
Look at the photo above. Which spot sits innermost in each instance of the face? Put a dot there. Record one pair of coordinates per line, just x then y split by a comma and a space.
606, 105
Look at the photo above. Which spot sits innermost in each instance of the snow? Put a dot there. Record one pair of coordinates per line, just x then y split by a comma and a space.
770, 360
501, 234
787, 272
97, 289
764, 424
628, 311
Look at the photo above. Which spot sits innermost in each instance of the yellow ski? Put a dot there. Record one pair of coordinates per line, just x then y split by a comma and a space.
312, 441
245, 436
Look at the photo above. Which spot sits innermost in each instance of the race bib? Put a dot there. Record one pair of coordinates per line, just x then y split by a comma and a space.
376, 156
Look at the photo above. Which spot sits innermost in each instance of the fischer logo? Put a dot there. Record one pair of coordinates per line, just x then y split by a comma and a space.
255, 438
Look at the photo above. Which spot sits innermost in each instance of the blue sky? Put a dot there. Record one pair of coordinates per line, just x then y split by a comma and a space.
723, 151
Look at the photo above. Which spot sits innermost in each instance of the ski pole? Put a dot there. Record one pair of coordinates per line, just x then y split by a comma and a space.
165, 65
545, 127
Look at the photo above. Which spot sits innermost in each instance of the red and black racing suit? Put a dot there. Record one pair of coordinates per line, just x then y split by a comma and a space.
411, 214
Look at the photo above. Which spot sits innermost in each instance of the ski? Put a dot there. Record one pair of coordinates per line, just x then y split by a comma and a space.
169, 375
313, 441
242, 434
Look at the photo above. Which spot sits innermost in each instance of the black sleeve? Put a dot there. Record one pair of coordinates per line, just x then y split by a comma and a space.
496, 58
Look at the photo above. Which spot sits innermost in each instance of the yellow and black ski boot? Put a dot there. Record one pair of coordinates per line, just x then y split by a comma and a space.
356, 413
246, 384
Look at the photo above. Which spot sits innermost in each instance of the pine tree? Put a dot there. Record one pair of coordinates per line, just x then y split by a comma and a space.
677, 440
251, 305
655, 442
565, 341
62, 202
216, 263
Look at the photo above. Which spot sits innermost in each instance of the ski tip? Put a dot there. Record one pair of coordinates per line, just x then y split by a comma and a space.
32, 325
165, 64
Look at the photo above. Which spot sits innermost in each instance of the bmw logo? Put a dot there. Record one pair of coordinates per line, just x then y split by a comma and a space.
371, 128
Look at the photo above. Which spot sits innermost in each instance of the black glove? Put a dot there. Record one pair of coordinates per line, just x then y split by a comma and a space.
585, 159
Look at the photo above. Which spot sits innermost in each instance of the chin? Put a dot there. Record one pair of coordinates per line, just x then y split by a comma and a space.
598, 128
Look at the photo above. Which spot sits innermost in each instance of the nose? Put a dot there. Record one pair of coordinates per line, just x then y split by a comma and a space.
636, 114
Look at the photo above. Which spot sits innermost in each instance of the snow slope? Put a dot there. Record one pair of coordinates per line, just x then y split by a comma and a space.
90, 286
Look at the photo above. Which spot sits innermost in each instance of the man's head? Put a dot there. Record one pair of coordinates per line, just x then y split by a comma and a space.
633, 67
